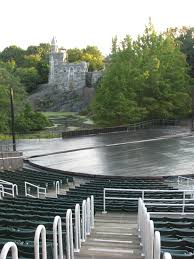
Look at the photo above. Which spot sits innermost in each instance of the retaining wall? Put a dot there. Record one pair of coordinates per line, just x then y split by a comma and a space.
11, 160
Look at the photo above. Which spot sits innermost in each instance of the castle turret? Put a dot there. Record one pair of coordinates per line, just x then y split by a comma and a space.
54, 47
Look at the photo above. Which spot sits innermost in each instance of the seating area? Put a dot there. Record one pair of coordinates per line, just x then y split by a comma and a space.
177, 235
44, 179
20, 217
95, 187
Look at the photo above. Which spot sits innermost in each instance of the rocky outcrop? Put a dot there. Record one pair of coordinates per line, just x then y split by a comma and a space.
53, 98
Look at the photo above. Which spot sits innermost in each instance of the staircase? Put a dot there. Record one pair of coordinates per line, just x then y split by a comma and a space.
114, 236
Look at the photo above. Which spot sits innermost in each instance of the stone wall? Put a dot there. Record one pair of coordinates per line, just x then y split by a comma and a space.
11, 160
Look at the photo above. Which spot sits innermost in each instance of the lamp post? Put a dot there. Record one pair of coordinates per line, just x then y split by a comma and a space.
12, 120
192, 107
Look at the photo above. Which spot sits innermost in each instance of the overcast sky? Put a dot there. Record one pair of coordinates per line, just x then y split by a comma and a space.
77, 23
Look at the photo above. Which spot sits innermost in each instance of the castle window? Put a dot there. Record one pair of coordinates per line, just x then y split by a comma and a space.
71, 73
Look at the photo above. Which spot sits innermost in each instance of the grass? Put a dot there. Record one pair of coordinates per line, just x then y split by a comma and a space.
59, 114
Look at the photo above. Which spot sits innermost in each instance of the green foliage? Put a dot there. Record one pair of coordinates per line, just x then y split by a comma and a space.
13, 53
29, 120
74, 55
146, 78
29, 77
31, 65
26, 119
90, 54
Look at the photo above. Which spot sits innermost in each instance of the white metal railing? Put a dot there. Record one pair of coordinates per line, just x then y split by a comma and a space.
57, 243
39, 190
88, 216
142, 193
77, 229
83, 223
9, 188
150, 241
40, 231
6, 248
57, 187
69, 235
87, 219
185, 182
92, 211
167, 256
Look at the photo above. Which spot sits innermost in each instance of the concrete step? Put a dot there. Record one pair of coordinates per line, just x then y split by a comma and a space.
115, 235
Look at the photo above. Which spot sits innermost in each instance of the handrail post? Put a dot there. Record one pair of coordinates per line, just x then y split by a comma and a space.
151, 239
6, 248
143, 195
84, 221
25, 189
38, 195
92, 211
41, 230
88, 217
77, 229
157, 245
183, 208
167, 256
57, 188
104, 201
69, 235
57, 229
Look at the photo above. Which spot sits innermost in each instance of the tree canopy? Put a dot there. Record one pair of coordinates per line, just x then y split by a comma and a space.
90, 54
26, 119
145, 78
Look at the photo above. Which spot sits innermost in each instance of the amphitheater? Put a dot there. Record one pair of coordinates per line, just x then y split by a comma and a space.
124, 192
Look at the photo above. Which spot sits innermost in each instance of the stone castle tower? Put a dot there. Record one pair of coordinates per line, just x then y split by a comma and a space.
69, 76
70, 86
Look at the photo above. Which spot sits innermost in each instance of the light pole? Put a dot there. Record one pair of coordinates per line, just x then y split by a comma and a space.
12, 120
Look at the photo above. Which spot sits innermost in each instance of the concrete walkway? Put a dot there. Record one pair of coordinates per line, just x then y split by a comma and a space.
114, 236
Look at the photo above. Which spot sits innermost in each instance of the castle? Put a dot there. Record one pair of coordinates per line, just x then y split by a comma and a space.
70, 85
69, 76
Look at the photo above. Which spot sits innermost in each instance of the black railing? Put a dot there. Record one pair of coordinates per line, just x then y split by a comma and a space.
132, 126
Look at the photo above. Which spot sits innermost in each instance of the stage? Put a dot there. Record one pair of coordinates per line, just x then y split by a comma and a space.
154, 152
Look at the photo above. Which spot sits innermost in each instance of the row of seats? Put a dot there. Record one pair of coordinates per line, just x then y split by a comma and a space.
177, 235
20, 216
44, 179
96, 187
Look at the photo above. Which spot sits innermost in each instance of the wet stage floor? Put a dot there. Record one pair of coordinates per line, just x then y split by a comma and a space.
124, 154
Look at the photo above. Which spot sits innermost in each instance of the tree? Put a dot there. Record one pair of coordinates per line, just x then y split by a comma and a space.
95, 58
90, 54
74, 55
26, 119
146, 78
13, 53
29, 77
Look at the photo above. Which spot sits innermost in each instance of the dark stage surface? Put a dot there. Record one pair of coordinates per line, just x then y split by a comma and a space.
146, 153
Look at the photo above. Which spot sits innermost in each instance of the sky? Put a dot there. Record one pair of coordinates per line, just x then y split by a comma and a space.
78, 23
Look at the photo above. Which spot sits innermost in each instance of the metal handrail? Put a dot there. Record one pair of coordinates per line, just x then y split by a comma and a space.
142, 195
83, 221
88, 216
69, 235
77, 229
38, 188
57, 186
92, 211
167, 256
40, 231
57, 246
185, 181
13, 188
6, 248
